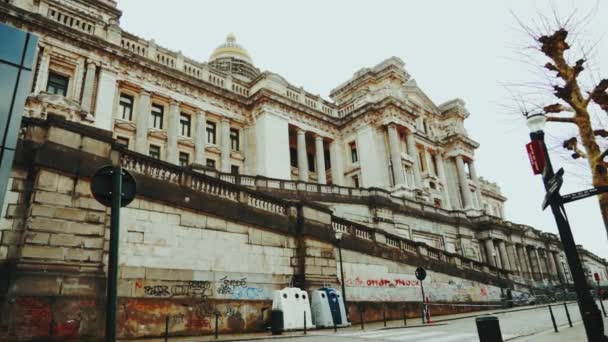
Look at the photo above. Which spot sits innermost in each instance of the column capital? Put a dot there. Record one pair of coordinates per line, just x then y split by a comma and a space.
225, 119
144, 92
318, 137
91, 64
301, 131
173, 102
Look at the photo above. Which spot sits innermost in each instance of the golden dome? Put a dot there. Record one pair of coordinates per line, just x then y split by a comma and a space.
231, 49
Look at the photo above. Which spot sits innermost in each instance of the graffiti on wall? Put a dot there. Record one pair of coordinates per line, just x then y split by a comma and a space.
194, 289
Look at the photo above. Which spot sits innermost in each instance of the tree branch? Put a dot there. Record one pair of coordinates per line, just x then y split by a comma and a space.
601, 133
557, 119
599, 94
572, 145
557, 108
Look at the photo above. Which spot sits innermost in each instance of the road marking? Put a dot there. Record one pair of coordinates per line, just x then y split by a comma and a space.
456, 337
377, 334
416, 337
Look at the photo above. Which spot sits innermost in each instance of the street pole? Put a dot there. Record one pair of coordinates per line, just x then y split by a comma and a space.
590, 314
112, 284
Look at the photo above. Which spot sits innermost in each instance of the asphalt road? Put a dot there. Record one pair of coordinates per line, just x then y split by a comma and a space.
513, 324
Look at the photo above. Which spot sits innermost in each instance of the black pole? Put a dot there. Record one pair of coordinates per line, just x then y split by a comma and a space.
361, 316
111, 287
552, 318
590, 314
167, 328
384, 316
405, 316
568, 315
423, 304
304, 322
342, 279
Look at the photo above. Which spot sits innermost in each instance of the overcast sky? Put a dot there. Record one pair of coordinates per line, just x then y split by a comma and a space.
466, 49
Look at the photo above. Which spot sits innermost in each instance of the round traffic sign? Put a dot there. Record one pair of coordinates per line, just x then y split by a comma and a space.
101, 186
420, 273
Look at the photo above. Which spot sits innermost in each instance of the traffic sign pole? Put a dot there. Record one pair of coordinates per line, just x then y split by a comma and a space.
112, 285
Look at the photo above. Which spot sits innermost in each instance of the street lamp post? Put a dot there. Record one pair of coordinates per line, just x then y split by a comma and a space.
338, 240
590, 314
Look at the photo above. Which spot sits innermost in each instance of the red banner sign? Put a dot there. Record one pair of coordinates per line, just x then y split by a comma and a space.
536, 155
597, 276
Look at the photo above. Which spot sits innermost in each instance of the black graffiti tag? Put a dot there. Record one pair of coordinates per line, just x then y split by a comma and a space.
157, 291
227, 286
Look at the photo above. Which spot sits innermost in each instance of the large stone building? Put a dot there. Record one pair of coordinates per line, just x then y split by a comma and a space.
243, 177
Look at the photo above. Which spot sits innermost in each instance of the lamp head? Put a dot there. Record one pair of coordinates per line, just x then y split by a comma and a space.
339, 235
536, 122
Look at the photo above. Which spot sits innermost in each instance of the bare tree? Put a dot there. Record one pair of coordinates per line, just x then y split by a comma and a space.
573, 103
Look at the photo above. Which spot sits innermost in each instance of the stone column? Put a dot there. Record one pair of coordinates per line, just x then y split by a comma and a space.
560, 267
89, 86
302, 156
172, 132
477, 185
504, 257
225, 145
43, 71
394, 144
142, 122
320, 156
336, 153
464, 184
552, 265
444, 180
412, 151
540, 269
523, 260
200, 138
490, 251
515, 259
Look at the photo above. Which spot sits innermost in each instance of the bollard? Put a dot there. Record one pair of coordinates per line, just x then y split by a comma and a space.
335, 327
488, 329
276, 322
552, 318
405, 316
304, 322
167, 328
568, 315
361, 317
384, 316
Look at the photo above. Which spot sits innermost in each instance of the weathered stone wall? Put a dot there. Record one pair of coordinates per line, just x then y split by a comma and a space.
190, 247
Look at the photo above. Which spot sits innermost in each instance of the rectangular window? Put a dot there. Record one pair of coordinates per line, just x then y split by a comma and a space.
154, 151
421, 161
184, 124
157, 116
434, 165
293, 156
234, 139
211, 163
126, 107
356, 181
57, 84
353, 152
184, 159
211, 132
122, 141
234, 169
327, 159
311, 162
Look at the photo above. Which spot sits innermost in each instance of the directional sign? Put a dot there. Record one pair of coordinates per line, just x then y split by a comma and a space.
584, 194
420, 273
101, 186
553, 185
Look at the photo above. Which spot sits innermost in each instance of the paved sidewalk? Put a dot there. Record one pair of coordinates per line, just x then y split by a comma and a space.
565, 333
411, 322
